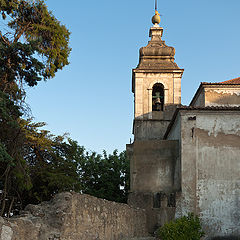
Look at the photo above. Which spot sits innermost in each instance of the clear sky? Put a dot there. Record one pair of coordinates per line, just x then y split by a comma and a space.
91, 98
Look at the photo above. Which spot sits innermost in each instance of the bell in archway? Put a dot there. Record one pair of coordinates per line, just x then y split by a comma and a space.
158, 104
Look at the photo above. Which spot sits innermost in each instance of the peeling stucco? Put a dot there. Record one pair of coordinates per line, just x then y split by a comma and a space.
210, 167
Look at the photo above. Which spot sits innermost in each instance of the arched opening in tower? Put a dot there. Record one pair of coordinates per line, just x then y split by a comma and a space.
158, 97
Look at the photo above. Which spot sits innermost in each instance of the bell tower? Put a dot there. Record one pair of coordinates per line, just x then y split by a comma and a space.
156, 84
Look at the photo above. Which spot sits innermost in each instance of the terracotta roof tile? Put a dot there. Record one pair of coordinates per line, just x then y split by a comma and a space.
232, 81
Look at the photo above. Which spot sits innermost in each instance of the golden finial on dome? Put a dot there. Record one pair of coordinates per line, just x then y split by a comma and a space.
156, 18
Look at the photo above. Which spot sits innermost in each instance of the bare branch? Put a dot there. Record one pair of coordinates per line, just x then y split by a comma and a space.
21, 32
4, 39
10, 207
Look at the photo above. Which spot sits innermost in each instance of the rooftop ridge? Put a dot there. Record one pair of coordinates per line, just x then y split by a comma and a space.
232, 81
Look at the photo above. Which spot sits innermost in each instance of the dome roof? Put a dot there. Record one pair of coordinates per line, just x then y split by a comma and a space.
157, 55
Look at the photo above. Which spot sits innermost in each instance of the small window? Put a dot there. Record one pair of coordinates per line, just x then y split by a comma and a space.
158, 97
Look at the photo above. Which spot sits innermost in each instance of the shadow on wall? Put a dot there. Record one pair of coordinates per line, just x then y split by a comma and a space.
165, 114
153, 125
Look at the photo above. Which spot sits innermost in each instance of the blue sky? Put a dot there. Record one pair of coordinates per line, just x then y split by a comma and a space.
91, 98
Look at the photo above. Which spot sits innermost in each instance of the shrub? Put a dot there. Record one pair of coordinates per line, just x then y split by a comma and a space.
184, 228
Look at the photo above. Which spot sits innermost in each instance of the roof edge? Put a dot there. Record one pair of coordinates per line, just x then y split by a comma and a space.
187, 108
203, 84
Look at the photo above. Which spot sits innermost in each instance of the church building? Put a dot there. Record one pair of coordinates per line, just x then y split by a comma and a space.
184, 158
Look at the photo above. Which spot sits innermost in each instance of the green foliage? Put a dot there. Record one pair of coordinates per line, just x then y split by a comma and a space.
12, 164
34, 164
9, 130
184, 228
43, 164
34, 47
57, 165
105, 176
4, 156
53, 166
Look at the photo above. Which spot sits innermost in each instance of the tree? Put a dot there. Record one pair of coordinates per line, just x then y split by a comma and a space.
57, 165
39, 165
12, 164
43, 165
33, 47
52, 162
34, 164
105, 176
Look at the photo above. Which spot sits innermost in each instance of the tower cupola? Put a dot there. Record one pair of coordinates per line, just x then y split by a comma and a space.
156, 84
156, 55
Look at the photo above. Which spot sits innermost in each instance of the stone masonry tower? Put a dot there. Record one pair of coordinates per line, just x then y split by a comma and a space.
156, 84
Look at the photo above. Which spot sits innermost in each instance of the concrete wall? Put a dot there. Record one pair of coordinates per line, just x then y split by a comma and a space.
71, 216
210, 167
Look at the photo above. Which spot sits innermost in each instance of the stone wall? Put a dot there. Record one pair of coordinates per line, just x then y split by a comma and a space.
72, 216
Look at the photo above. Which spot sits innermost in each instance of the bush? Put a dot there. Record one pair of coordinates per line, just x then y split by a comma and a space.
184, 228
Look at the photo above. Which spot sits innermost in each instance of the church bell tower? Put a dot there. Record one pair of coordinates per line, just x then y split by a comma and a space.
156, 84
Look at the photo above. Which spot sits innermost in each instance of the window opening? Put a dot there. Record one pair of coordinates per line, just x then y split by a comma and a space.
158, 97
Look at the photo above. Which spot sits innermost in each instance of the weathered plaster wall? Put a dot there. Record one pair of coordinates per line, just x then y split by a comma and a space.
218, 163
150, 129
187, 202
72, 216
152, 165
222, 96
175, 134
160, 208
210, 167
155, 127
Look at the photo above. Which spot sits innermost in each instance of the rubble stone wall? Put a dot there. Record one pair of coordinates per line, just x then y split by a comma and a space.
72, 216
